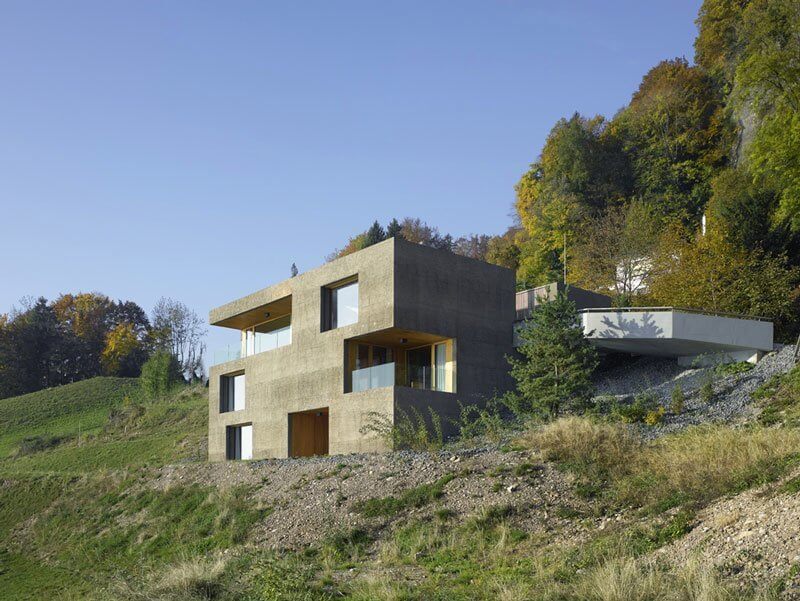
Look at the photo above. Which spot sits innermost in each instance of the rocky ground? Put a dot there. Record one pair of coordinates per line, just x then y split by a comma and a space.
753, 537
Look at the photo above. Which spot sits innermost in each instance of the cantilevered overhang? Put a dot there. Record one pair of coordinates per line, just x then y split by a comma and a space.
675, 332
253, 308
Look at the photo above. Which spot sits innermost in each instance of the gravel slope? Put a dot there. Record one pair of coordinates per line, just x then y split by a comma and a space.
656, 376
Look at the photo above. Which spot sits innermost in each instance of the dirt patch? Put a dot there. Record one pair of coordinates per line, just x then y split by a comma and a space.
311, 499
753, 538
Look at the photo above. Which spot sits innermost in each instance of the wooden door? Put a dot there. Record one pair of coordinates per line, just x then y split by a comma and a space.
308, 433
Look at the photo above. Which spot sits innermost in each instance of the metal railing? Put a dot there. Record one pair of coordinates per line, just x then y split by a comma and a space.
662, 309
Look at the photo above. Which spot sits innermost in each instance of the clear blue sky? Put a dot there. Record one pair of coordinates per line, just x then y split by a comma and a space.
196, 149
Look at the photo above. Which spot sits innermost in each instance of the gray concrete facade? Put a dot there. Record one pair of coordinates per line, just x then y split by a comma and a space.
408, 296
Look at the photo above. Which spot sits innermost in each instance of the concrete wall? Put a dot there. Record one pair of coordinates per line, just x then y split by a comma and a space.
401, 285
446, 294
308, 373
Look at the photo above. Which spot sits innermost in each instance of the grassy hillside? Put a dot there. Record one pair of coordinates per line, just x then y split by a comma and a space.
67, 457
65, 411
96, 515
102, 423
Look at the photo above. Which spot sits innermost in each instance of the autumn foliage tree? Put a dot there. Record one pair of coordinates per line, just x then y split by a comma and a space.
709, 272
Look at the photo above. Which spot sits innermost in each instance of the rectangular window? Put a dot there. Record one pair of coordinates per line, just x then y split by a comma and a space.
231, 393
239, 442
339, 305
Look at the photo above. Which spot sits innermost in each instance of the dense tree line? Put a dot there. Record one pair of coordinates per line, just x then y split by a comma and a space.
79, 336
689, 195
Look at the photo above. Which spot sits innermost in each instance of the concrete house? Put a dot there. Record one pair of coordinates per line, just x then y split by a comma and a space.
399, 327
393, 327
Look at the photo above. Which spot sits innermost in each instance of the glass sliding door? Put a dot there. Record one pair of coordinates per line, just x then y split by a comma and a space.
374, 367
419, 368
440, 366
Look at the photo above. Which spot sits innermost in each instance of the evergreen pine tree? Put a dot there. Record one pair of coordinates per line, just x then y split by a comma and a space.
394, 229
374, 234
557, 360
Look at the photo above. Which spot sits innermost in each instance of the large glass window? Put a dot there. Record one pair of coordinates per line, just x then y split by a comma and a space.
268, 335
340, 306
231, 393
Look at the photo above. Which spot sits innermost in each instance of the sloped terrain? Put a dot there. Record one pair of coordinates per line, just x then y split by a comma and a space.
583, 508
733, 386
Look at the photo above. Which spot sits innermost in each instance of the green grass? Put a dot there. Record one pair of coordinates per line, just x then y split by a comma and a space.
77, 502
413, 497
98, 526
103, 423
79, 408
83, 519
779, 399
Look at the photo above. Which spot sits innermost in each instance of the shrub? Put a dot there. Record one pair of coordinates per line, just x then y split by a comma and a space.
678, 400
474, 421
35, 444
707, 391
654, 417
408, 430
728, 369
193, 579
779, 399
418, 496
287, 578
159, 374
643, 404
626, 579
346, 545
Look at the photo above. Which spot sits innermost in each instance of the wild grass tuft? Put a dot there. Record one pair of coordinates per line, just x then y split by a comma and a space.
694, 466
636, 580
413, 497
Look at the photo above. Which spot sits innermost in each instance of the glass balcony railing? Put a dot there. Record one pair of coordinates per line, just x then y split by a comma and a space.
229, 353
255, 343
259, 342
378, 376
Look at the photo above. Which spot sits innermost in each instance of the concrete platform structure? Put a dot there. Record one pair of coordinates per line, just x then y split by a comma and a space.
389, 329
691, 336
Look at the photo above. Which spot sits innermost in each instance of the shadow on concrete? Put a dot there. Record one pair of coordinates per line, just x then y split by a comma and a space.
630, 328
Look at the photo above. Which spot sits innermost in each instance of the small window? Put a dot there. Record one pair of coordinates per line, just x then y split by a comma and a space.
231, 393
339, 305
239, 442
